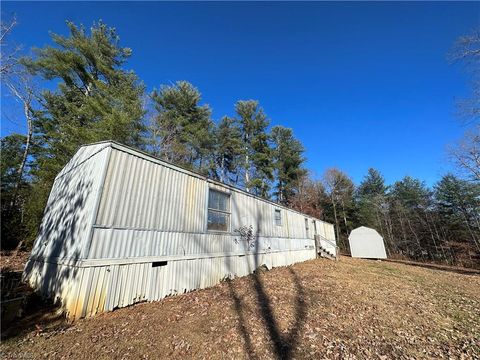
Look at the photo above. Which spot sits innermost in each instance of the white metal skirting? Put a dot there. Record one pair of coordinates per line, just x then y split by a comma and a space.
86, 291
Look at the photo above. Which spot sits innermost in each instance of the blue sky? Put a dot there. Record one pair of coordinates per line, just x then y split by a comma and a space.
361, 84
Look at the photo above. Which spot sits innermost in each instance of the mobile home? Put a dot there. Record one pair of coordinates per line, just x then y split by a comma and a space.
122, 227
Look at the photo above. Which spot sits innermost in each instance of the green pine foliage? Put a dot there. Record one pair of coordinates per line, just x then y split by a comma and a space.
371, 198
458, 206
95, 98
12, 221
184, 126
89, 96
229, 151
288, 163
257, 155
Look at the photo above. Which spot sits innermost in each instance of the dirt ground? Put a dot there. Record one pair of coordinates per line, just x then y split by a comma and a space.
13, 260
351, 309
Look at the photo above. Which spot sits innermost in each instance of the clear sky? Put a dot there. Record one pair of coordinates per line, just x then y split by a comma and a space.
361, 84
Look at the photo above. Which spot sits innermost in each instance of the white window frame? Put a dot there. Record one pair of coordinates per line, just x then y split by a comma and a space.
228, 213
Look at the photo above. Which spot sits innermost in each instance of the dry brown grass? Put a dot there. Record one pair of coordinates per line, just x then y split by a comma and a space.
317, 309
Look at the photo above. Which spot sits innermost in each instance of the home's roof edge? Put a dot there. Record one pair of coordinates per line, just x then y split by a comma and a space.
133, 151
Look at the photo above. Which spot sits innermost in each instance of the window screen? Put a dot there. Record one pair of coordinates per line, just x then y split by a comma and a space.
218, 210
278, 217
306, 226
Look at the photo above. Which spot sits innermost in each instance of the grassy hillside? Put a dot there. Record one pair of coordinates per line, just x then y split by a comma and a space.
317, 309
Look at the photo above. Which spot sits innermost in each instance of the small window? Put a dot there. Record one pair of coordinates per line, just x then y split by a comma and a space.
314, 227
306, 226
218, 210
278, 217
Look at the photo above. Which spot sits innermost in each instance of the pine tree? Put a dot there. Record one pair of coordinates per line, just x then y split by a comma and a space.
370, 199
409, 202
228, 150
458, 205
96, 99
14, 194
373, 184
185, 129
257, 162
412, 193
91, 97
288, 157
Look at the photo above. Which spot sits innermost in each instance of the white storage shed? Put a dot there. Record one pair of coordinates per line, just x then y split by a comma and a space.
122, 227
366, 243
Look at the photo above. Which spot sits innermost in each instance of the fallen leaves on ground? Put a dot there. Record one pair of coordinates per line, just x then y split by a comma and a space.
351, 309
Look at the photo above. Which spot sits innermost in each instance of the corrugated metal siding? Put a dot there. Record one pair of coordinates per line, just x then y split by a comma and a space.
69, 213
83, 154
123, 243
104, 288
53, 280
142, 194
152, 212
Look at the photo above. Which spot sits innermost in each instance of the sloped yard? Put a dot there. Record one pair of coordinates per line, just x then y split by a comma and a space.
317, 309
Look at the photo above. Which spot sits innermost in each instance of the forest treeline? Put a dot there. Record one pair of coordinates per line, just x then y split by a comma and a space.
77, 91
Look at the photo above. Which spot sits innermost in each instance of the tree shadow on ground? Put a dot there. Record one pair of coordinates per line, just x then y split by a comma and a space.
284, 343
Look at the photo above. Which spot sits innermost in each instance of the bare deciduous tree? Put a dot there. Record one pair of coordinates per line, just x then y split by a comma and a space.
8, 57
466, 153
19, 82
340, 190
310, 197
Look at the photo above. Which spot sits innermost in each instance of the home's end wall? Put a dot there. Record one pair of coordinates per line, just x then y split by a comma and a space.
64, 234
68, 216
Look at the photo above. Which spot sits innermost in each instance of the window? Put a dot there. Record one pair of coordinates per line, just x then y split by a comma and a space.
218, 210
306, 226
314, 227
278, 217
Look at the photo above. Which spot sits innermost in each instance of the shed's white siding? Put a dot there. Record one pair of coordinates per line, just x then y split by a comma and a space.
114, 214
366, 243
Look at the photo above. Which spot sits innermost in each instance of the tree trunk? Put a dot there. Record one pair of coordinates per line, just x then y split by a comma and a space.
222, 172
344, 217
27, 112
247, 172
336, 218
